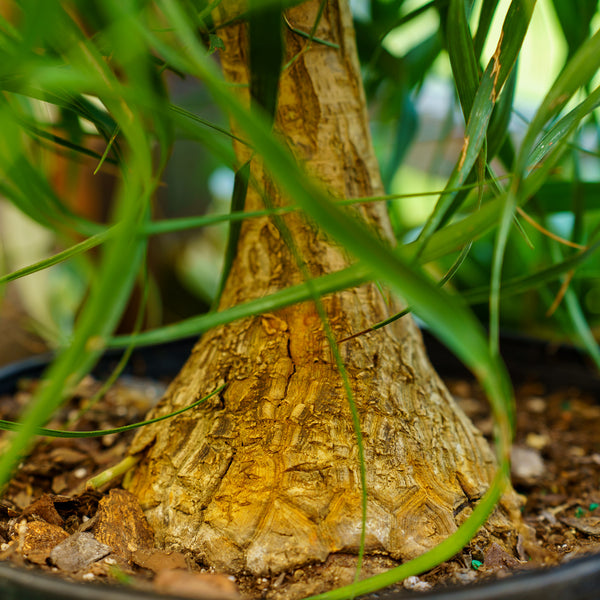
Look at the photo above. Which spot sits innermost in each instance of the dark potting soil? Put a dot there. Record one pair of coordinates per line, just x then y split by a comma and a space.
50, 522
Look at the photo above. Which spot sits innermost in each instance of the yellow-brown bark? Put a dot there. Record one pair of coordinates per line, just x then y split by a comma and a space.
265, 477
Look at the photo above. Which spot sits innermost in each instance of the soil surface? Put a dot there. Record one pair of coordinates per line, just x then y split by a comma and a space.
50, 521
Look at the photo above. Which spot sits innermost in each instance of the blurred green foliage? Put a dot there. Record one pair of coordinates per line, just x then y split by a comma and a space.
406, 51
416, 105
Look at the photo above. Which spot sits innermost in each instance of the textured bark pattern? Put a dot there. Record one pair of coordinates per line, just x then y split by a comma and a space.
266, 476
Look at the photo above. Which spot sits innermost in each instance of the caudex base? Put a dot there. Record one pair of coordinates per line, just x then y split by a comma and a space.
265, 477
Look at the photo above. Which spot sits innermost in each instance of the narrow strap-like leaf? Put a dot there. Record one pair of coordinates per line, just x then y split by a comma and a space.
509, 45
266, 53
65, 433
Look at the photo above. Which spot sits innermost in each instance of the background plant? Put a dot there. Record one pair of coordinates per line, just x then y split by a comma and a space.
97, 84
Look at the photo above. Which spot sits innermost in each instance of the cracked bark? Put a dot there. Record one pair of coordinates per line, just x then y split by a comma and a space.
265, 478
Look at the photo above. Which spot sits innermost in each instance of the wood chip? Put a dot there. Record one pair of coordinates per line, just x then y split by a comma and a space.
44, 508
497, 558
121, 524
66, 456
158, 560
38, 539
208, 586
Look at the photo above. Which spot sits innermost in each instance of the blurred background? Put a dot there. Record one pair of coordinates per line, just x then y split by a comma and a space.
417, 127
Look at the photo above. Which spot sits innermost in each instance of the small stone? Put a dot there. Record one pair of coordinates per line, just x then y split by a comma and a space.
526, 463
537, 441
416, 584
78, 551
536, 405
8, 550
465, 576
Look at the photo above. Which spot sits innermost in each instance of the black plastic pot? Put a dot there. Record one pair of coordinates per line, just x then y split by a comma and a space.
562, 366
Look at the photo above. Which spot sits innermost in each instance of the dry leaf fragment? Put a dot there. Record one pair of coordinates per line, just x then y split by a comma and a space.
588, 525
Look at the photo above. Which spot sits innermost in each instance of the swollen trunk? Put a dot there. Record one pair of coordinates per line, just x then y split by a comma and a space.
265, 477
